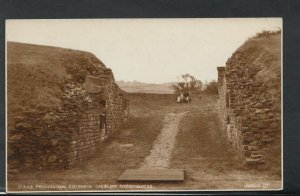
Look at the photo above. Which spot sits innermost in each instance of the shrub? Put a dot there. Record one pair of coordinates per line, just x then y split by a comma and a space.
266, 33
211, 87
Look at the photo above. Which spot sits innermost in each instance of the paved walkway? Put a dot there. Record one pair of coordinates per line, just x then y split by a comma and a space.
160, 154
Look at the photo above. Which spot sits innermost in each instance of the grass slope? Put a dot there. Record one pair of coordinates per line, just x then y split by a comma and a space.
35, 75
265, 52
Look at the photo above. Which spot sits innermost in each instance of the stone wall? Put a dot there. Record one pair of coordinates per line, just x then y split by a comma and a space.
61, 137
249, 114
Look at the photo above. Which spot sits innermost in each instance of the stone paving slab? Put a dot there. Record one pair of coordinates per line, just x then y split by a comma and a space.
152, 175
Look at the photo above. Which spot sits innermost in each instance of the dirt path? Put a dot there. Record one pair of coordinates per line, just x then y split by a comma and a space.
161, 152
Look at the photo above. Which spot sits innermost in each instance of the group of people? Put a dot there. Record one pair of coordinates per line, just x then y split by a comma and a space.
183, 98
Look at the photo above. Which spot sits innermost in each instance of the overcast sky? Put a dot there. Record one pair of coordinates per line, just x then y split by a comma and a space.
147, 50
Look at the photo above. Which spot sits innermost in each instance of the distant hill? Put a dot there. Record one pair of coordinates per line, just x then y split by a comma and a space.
140, 87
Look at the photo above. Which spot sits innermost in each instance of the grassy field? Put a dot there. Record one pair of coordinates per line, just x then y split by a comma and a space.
201, 149
140, 87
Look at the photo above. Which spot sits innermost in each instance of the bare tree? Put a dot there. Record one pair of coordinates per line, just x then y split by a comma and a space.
188, 84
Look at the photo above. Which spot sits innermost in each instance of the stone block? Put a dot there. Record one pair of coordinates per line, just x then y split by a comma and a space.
24, 125
253, 148
252, 161
54, 142
17, 137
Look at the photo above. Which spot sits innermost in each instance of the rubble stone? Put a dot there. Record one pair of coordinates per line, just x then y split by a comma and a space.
247, 112
61, 137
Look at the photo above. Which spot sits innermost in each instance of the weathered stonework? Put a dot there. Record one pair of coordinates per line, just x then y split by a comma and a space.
247, 111
59, 138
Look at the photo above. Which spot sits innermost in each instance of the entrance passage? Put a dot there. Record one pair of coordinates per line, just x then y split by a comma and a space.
152, 175
155, 166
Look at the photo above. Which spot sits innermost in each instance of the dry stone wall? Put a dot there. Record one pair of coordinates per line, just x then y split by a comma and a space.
247, 110
61, 137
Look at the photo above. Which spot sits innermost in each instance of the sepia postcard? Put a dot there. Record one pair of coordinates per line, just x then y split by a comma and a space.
141, 105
